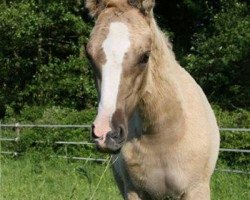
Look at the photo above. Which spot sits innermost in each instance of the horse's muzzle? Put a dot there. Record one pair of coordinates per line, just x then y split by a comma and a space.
113, 141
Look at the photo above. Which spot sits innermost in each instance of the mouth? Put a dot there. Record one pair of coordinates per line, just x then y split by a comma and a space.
111, 143
110, 138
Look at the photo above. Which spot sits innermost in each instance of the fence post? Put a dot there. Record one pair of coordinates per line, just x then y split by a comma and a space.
0, 136
17, 139
17, 130
90, 133
66, 152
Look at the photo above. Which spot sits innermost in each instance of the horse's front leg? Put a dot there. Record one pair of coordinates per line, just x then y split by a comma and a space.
124, 184
200, 192
132, 195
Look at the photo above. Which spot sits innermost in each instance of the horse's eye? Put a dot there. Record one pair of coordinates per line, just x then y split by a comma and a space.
144, 58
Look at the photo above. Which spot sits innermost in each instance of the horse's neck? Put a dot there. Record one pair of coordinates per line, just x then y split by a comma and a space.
161, 110
161, 107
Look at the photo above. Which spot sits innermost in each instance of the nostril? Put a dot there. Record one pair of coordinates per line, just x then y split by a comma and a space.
118, 133
93, 132
121, 131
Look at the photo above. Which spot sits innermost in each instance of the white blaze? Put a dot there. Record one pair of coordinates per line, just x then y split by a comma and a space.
115, 46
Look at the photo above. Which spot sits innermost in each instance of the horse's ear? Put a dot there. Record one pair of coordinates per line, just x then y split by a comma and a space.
94, 7
145, 6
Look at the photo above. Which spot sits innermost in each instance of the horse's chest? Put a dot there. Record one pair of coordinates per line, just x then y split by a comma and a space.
150, 179
148, 173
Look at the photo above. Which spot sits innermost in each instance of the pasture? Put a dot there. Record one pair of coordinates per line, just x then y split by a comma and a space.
38, 176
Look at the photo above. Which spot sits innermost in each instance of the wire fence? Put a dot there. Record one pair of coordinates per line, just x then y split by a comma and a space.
17, 128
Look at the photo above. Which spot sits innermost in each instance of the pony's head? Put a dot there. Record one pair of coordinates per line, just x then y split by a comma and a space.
119, 49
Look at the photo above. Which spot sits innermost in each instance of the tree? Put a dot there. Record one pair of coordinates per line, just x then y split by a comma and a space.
220, 56
42, 59
41, 40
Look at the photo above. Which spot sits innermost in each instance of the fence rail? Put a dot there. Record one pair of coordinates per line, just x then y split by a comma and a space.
235, 129
235, 150
18, 127
232, 171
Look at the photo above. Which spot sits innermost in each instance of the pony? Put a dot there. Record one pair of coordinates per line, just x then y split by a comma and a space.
152, 117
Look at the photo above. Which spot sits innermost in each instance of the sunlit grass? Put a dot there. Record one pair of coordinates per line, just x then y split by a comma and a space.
37, 177
32, 178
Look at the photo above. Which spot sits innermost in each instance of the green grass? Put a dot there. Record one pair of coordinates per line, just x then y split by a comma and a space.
34, 177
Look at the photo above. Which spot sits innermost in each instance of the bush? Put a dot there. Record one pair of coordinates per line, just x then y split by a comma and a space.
219, 58
42, 55
64, 83
234, 140
43, 139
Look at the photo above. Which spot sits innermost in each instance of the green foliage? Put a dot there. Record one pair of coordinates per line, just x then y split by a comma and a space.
43, 62
65, 83
43, 139
234, 140
211, 40
19, 27
219, 58
39, 43
239, 118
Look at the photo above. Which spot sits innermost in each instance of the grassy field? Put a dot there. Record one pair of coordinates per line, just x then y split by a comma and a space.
35, 177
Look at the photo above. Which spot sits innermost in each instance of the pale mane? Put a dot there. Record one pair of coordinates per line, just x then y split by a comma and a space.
162, 53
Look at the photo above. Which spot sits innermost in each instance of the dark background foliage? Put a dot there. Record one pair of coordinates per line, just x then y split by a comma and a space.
211, 40
43, 62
